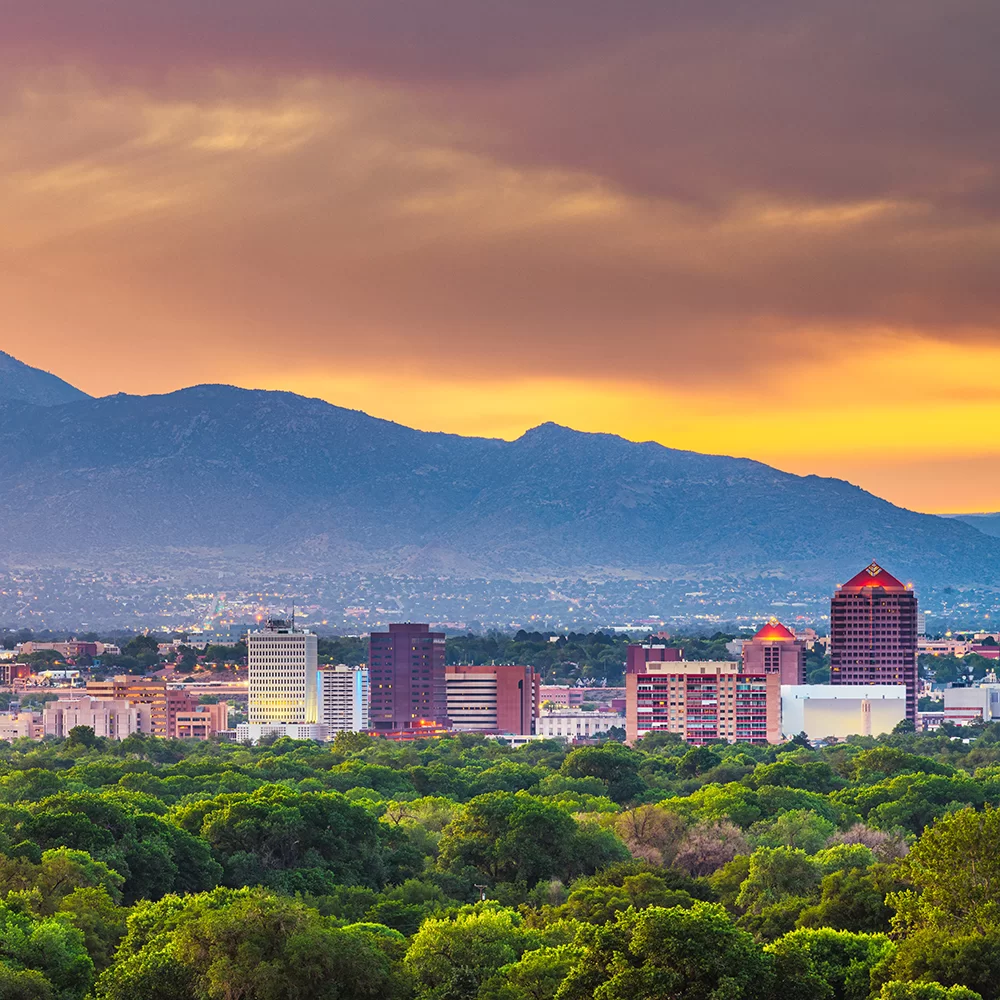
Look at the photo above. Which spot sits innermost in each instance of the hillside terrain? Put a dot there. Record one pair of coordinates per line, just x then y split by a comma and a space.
271, 478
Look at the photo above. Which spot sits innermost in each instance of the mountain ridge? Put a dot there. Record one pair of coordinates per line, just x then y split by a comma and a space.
24, 383
259, 477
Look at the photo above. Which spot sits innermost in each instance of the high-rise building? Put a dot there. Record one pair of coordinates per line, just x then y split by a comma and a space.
702, 701
502, 698
281, 672
873, 633
774, 649
343, 698
406, 674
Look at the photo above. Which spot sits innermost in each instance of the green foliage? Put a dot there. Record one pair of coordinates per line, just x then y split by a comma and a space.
688, 954
827, 964
897, 990
956, 867
184, 871
450, 959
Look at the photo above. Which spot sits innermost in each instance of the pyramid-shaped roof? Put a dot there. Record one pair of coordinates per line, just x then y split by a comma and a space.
873, 576
774, 631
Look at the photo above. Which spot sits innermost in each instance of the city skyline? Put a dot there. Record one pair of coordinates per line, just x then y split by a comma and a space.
645, 220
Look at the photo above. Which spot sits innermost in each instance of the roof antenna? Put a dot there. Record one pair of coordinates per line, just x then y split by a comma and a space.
293, 616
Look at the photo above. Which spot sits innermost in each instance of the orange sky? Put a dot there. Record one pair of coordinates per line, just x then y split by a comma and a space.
769, 232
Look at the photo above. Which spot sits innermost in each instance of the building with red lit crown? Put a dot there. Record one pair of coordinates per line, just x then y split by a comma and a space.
776, 650
873, 633
407, 679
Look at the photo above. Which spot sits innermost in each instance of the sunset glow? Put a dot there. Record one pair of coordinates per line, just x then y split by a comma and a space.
635, 221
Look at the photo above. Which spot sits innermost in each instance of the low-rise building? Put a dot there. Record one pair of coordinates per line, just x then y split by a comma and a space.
201, 721
21, 725
115, 718
572, 724
254, 732
964, 706
836, 711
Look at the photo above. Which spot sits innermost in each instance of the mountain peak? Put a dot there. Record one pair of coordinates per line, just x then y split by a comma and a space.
22, 383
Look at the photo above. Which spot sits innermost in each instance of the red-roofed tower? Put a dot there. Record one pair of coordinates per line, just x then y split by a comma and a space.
873, 633
775, 650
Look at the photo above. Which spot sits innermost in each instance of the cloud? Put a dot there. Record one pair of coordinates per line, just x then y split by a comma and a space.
642, 194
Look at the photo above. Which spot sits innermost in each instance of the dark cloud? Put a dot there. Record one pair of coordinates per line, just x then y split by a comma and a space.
772, 171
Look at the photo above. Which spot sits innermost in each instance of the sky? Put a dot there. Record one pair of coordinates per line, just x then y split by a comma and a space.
766, 229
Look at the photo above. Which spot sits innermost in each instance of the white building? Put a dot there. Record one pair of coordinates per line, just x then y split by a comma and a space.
570, 724
841, 710
115, 718
282, 685
254, 732
343, 698
966, 705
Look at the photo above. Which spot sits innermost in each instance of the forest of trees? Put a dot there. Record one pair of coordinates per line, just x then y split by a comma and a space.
462, 869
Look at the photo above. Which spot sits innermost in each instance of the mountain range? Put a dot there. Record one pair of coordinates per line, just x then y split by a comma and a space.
270, 480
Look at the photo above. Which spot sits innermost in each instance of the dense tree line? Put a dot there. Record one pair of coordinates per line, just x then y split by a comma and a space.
151, 869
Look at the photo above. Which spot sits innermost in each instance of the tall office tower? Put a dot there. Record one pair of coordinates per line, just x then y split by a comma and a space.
702, 701
343, 698
873, 633
406, 673
775, 650
281, 668
505, 699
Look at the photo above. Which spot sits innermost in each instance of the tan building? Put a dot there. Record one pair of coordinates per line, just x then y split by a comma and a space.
702, 701
164, 703
115, 718
201, 721
775, 649
824, 711
21, 725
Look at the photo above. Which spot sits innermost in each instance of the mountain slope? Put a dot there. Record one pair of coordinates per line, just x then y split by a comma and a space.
24, 384
273, 479
988, 524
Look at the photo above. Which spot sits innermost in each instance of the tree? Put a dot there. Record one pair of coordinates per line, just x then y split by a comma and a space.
796, 828
708, 846
49, 946
956, 866
537, 976
449, 959
941, 956
616, 765
82, 736
651, 833
261, 834
897, 990
776, 872
250, 943
675, 953
24, 984
510, 838
826, 964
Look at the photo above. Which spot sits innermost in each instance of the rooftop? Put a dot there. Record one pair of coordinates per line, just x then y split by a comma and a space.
873, 576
